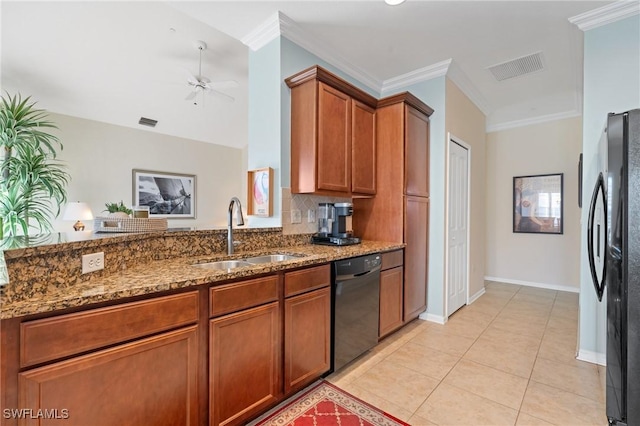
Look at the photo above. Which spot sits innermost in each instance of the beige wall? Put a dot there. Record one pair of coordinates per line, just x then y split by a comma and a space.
466, 122
544, 260
100, 158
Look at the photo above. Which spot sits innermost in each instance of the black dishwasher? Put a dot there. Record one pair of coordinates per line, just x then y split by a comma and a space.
356, 307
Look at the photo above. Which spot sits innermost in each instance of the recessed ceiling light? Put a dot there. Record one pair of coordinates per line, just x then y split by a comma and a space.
393, 2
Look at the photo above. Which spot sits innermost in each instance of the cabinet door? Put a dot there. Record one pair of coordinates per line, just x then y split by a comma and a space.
334, 140
307, 343
244, 364
416, 253
152, 381
416, 153
363, 149
391, 302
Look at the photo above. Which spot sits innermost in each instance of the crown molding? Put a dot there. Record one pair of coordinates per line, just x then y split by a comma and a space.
461, 80
292, 31
280, 24
264, 33
447, 68
531, 121
606, 15
416, 76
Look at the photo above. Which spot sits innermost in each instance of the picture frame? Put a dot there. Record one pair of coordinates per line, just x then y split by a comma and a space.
538, 204
169, 195
260, 192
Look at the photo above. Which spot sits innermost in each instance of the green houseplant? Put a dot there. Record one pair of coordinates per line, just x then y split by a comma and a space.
32, 181
113, 208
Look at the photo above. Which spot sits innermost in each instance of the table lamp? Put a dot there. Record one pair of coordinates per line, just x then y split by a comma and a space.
77, 211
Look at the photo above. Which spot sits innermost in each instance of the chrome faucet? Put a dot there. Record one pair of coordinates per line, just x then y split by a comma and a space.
239, 220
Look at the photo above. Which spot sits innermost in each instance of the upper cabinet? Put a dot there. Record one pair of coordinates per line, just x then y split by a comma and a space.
333, 149
406, 114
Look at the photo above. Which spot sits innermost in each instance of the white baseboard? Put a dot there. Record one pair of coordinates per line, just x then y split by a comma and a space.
476, 296
438, 319
592, 357
534, 284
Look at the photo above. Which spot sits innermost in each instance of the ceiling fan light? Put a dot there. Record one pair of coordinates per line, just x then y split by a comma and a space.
393, 2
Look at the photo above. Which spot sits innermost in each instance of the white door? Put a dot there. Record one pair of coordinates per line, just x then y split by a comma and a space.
457, 276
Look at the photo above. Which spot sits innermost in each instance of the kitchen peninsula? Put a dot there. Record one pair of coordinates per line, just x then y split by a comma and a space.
190, 345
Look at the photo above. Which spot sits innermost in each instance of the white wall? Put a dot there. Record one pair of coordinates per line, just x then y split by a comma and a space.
539, 259
100, 158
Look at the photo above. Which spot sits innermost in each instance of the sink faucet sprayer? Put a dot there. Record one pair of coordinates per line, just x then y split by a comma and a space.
239, 220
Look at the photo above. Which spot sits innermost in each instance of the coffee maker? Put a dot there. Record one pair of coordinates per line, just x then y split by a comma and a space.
334, 225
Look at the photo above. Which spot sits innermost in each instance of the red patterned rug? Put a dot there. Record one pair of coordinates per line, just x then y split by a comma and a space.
327, 405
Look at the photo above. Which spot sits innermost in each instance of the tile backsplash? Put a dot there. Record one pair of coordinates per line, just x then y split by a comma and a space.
303, 203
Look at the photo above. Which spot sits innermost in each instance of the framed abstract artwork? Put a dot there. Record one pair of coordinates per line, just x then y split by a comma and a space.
260, 192
537, 204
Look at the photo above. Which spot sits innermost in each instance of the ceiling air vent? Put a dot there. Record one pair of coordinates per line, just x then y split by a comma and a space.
517, 67
147, 122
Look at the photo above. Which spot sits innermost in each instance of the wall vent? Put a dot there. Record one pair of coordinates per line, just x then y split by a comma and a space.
517, 67
147, 122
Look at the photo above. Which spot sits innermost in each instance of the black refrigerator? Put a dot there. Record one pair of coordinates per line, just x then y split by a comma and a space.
614, 259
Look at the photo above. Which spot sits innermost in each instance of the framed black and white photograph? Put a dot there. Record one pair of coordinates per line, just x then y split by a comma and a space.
537, 204
169, 195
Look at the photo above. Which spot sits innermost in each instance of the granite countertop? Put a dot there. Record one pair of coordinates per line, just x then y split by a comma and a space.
158, 276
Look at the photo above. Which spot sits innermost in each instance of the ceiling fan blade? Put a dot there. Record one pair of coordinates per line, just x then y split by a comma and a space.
191, 79
221, 95
224, 84
191, 95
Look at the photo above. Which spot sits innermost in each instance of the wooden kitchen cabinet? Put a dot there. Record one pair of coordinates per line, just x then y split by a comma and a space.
149, 381
333, 158
391, 293
307, 326
130, 363
363, 148
332, 135
245, 364
245, 361
307, 345
417, 244
400, 210
416, 157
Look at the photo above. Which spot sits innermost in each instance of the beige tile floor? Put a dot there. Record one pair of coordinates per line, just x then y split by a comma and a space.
506, 359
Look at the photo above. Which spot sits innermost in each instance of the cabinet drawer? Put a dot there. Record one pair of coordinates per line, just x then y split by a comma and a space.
241, 295
392, 259
53, 338
306, 279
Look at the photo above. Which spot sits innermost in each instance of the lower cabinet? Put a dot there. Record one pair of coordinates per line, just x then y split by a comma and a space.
391, 283
151, 381
391, 292
307, 344
416, 237
245, 364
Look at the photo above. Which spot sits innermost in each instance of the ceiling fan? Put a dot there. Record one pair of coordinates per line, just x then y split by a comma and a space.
201, 84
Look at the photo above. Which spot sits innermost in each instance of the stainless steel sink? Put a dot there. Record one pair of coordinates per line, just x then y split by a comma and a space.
270, 258
223, 265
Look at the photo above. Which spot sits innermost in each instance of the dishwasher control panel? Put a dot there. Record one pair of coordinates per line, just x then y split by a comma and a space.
358, 265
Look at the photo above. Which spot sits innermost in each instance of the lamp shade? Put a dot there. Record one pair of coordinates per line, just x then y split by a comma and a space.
77, 211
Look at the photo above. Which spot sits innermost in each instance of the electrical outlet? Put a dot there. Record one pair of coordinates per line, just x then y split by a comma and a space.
92, 262
311, 215
296, 216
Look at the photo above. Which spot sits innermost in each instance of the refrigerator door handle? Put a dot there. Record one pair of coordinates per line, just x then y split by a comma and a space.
597, 283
